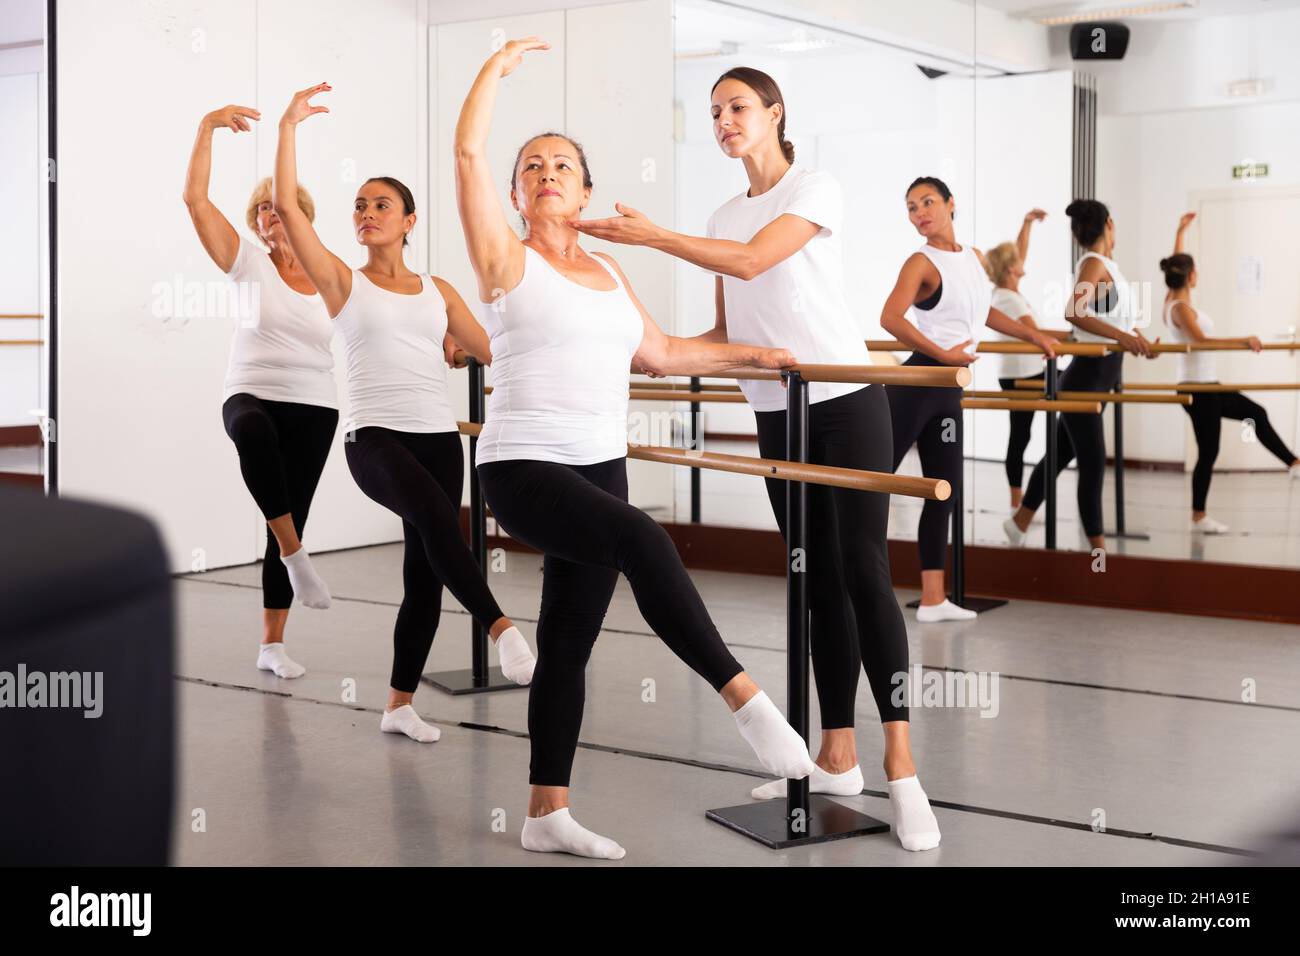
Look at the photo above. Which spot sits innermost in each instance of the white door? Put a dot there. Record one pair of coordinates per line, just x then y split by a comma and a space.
1246, 250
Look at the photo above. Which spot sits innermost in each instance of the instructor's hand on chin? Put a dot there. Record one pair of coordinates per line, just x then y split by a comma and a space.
299, 107
630, 226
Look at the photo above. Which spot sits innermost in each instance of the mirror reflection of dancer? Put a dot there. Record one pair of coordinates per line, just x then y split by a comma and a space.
565, 328
776, 252
947, 286
1187, 323
1101, 309
278, 405
403, 446
1005, 264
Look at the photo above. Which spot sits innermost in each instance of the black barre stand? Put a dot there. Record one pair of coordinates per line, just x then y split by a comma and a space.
803, 819
1120, 530
479, 678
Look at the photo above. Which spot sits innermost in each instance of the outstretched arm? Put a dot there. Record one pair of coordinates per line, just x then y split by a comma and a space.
1183, 223
330, 275
215, 231
1022, 240
495, 251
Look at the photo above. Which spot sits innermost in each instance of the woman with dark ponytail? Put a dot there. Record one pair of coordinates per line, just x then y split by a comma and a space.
1208, 409
1101, 309
776, 252
402, 441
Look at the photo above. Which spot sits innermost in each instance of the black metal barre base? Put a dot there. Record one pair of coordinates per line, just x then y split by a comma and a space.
766, 822
463, 681
1130, 535
977, 604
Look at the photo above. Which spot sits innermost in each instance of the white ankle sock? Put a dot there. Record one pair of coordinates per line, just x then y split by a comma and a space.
404, 720
272, 657
307, 584
1015, 536
846, 784
517, 661
779, 747
558, 832
914, 821
947, 611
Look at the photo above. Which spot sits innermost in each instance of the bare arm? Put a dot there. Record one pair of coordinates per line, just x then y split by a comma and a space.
1190, 325
495, 251
1183, 223
1022, 240
1084, 298
218, 236
999, 321
461, 324
777, 241
329, 273
917, 278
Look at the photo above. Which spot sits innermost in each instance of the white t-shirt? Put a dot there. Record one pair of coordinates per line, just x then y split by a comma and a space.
397, 376
561, 354
798, 304
1123, 311
1014, 305
281, 347
964, 298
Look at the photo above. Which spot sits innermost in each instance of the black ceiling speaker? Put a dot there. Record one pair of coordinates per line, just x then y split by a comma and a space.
1098, 41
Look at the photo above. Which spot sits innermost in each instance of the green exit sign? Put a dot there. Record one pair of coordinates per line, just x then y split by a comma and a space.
1250, 171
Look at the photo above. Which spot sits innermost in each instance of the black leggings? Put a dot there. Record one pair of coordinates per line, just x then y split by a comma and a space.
1207, 411
1021, 425
929, 418
418, 476
579, 518
1083, 437
855, 617
282, 450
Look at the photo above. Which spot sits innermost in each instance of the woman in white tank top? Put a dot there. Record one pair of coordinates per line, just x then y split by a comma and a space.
402, 442
1101, 309
947, 289
1208, 409
278, 402
565, 330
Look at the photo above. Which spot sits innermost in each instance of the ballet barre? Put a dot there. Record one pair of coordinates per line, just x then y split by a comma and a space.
1215, 387
982, 400
1028, 384
994, 347
1242, 346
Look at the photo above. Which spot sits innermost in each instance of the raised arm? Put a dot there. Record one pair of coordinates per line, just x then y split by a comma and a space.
495, 252
1183, 223
218, 236
777, 241
893, 317
461, 324
328, 273
1022, 240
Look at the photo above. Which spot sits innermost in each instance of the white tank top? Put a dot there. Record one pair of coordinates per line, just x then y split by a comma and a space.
964, 302
1122, 312
396, 374
561, 356
280, 351
1194, 366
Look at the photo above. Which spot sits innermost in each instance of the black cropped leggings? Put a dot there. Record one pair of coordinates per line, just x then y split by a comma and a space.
1083, 437
1022, 424
856, 622
282, 451
578, 516
1207, 411
929, 418
419, 476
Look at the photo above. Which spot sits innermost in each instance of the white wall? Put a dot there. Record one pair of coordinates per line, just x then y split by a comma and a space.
140, 420
21, 244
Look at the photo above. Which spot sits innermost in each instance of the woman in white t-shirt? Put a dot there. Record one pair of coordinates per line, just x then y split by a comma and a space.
776, 250
946, 286
1186, 323
278, 403
1005, 264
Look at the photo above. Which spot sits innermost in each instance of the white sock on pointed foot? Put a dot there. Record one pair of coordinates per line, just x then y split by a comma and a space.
558, 832
517, 660
1207, 525
1015, 537
272, 657
846, 784
307, 584
404, 720
779, 747
914, 821
947, 611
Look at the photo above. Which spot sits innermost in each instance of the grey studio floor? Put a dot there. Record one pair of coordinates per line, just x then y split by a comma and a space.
1137, 715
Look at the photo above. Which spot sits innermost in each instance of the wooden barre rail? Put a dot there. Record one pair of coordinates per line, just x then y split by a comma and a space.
1036, 386
1213, 387
21, 315
912, 487
1093, 350
22, 341
1242, 347
1073, 406
929, 376
983, 400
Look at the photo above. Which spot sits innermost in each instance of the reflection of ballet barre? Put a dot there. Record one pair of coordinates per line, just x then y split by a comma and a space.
1031, 384
22, 342
1242, 346
1158, 348
1215, 387
851, 478
927, 376
982, 400
1090, 349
